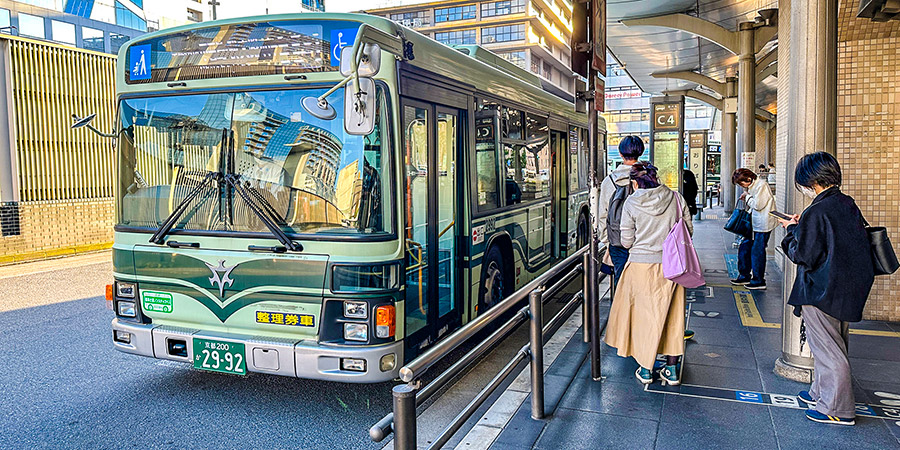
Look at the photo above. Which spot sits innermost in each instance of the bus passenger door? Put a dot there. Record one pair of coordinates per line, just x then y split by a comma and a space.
430, 148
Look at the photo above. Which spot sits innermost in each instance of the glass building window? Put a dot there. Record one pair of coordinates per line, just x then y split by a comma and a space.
517, 58
31, 26
535, 64
502, 8
454, 13
315, 5
194, 16
63, 32
455, 37
116, 41
92, 39
507, 33
4, 21
411, 19
126, 18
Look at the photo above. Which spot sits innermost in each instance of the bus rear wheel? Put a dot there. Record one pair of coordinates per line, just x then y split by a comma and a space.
493, 283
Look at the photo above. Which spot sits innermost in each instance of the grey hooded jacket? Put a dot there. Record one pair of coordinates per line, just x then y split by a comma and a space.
647, 217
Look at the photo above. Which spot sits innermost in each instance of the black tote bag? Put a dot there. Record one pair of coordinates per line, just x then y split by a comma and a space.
883, 257
740, 223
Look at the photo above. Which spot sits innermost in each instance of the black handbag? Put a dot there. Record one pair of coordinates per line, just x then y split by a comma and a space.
740, 223
883, 257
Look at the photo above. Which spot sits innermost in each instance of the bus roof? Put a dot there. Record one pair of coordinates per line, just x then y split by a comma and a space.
471, 65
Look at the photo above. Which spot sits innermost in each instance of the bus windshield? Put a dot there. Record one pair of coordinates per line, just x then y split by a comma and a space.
306, 173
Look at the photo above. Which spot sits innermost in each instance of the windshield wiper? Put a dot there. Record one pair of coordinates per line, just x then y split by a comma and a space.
253, 201
170, 221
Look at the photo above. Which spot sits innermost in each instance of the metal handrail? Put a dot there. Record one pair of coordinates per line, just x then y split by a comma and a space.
415, 368
407, 396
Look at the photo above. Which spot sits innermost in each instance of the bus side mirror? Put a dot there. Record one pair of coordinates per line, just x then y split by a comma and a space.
359, 107
86, 122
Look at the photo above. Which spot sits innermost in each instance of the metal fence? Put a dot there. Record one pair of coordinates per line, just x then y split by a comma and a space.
48, 83
402, 421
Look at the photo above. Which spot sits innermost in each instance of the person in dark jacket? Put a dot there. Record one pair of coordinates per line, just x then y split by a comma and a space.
689, 188
830, 247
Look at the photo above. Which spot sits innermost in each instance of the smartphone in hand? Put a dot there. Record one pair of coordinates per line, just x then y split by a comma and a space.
781, 215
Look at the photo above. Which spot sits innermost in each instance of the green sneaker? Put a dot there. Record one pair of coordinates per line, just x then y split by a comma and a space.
643, 375
669, 376
688, 334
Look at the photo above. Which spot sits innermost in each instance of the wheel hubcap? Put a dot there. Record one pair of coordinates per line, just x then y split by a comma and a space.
493, 285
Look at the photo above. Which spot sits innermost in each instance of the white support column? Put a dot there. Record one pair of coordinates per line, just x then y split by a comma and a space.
729, 151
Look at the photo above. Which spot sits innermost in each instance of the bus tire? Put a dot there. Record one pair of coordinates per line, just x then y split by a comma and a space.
584, 231
493, 280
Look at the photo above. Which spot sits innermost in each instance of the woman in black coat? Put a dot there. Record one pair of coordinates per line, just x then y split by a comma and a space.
830, 247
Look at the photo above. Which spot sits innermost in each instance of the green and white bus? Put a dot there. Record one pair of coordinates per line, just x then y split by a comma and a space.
325, 195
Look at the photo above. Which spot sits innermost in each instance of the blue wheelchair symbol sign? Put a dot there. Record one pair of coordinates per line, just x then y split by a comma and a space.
340, 39
752, 397
139, 62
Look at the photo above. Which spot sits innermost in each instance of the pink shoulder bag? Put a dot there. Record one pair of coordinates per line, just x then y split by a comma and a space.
680, 262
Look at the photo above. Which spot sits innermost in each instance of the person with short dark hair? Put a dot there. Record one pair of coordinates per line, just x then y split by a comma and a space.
647, 314
830, 246
752, 252
630, 148
690, 189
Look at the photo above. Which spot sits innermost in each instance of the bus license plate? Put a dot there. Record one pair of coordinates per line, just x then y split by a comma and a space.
218, 356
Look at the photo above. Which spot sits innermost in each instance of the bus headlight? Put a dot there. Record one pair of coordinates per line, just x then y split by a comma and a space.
356, 310
356, 332
126, 309
124, 290
385, 321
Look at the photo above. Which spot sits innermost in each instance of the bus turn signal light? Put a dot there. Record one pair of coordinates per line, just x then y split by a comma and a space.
385, 321
109, 292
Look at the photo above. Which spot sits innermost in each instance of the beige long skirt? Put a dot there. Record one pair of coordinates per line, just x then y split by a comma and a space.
647, 315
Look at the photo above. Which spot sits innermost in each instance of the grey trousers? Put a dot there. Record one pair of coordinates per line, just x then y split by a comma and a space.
832, 387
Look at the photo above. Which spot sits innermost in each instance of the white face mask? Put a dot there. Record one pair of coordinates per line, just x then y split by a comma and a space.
808, 192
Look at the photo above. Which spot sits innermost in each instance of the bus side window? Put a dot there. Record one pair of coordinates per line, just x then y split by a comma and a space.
487, 123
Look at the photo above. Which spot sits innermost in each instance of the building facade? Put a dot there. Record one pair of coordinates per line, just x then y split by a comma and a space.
78, 23
163, 14
533, 34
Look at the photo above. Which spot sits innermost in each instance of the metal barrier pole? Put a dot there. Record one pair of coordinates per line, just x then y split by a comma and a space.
404, 417
586, 305
594, 309
537, 354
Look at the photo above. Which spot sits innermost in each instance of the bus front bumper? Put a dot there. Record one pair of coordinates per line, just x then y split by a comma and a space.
287, 357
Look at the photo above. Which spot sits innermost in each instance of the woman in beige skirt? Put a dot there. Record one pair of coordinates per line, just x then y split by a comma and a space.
647, 315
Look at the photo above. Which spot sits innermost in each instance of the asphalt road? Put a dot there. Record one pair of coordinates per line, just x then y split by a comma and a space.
64, 386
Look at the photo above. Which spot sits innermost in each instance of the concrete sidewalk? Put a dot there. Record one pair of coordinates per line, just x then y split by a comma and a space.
730, 397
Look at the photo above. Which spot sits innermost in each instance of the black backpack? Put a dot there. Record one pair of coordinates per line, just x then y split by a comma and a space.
614, 218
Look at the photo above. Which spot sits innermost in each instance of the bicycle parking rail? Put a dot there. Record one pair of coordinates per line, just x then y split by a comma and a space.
406, 397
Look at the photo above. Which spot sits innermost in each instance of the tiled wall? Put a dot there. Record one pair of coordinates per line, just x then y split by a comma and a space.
869, 134
53, 228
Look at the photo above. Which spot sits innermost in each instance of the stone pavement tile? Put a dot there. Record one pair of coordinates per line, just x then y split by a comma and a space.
872, 325
719, 336
894, 426
710, 415
795, 431
874, 370
566, 364
623, 398
874, 347
723, 377
894, 326
884, 393
573, 429
522, 430
725, 321
616, 368
505, 446
774, 384
717, 355
479, 438
680, 436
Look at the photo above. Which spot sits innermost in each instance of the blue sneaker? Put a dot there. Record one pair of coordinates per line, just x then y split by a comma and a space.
669, 376
643, 375
816, 416
804, 397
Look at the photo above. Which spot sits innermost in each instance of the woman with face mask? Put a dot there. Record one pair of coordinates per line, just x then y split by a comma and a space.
829, 244
752, 252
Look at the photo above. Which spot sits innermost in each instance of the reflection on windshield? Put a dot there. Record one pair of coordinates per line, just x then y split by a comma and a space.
311, 175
